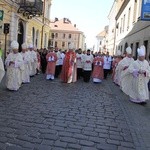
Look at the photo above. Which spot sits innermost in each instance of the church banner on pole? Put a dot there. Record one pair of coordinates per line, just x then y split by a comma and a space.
145, 11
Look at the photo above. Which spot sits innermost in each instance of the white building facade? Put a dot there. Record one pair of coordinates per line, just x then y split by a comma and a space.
130, 30
111, 30
102, 41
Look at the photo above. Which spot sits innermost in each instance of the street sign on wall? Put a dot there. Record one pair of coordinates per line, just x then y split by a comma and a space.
1, 15
145, 11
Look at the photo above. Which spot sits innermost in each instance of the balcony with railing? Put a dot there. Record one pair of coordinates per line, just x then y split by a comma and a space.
30, 8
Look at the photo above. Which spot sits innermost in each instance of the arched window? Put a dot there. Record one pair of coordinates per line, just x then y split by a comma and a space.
37, 39
55, 44
20, 34
56, 35
45, 40
125, 46
33, 36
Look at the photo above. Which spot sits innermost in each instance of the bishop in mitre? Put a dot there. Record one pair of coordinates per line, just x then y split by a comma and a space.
138, 76
14, 65
123, 65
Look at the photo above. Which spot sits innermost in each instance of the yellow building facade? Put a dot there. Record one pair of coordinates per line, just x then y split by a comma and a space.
22, 27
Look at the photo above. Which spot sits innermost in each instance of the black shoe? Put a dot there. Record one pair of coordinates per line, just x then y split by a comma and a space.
143, 103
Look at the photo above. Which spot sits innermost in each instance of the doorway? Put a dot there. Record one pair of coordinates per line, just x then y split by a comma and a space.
20, 34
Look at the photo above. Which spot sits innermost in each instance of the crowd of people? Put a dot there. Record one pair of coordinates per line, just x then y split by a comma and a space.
132, 76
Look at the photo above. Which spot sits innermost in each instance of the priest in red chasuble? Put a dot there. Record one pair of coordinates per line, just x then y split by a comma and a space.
69, 68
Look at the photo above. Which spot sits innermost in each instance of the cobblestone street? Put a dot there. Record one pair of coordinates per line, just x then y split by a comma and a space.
50, 115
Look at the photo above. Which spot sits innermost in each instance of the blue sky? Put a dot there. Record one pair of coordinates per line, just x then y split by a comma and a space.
90, 16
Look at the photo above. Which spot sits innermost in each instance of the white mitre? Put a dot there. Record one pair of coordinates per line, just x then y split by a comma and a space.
24, 46
129, 50
71, 46
141, 51
118, 53
14, 45
30, 45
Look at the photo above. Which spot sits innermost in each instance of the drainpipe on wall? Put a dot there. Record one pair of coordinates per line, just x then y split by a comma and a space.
43, 20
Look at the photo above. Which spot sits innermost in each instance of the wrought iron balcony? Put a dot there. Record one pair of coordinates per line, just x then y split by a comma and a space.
31, 8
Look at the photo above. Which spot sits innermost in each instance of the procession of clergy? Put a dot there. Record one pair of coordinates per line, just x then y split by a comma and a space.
132, 76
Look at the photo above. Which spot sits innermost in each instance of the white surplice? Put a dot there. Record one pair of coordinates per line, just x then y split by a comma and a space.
87, 61
79, 60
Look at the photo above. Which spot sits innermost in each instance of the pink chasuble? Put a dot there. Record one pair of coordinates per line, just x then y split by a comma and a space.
51, 63
98, 68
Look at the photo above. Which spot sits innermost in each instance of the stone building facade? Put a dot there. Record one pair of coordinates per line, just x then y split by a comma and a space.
26, 28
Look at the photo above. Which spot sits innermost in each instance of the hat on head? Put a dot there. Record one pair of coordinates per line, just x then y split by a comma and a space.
71, 46
14, 45
141, 51
129, 50
30, 45
24, 46
118, 53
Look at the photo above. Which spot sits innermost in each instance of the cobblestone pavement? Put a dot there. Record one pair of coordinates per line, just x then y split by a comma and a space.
50, 115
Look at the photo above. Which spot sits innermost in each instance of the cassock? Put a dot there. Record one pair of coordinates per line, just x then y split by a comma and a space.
107, 65
57, 70
98, 73
51, 58
69, 68
62, 56
2, 71
87, 66
79, 65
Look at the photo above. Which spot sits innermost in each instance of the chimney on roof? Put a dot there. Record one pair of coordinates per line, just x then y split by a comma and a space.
68, 20
56, 19
64, 20
75, 25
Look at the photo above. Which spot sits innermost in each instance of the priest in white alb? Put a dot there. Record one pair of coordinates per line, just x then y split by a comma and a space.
26, 62
14, 65
34, 60
123, 65
138, 76
2, 71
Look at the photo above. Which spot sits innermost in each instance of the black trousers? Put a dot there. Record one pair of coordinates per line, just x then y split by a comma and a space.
43, 67
60, 68
106, 72
57, 72
79, 73
86, 75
